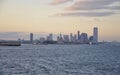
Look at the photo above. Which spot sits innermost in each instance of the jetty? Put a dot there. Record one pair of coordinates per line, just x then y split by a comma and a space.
10, 43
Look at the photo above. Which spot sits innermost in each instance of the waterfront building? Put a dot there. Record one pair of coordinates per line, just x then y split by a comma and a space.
50, 37
95, 35
91, 39
78, 34
31, 37
84, 38
66, 38
60, 39
71, 37
75, 38
42, 39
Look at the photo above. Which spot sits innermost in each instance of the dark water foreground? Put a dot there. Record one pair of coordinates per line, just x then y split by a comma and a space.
103, 59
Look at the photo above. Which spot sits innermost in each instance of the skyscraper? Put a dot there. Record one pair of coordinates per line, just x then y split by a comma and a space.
71, 37
66, 38
78, 34
84, 38
95, 35
50, 37
31, 37
75, 38
60, 39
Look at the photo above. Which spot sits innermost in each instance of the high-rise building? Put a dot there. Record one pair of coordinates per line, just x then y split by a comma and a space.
84, 38
50, 37
31, 37
71, 37
78, 34
66, 38
75, 38
95, 35
60, 39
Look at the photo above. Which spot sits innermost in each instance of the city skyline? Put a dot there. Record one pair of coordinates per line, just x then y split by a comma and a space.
77, 38
18, 18
81, 38
38, 35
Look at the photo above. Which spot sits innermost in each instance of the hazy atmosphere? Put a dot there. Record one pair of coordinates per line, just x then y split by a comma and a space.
18, 18
59, 37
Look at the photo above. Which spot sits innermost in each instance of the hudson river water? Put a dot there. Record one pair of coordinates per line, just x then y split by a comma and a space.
102, 59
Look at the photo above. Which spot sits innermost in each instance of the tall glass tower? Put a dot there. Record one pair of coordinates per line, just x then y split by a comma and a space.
31, 37
95, 35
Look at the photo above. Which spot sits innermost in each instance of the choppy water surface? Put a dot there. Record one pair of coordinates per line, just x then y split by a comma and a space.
103, 59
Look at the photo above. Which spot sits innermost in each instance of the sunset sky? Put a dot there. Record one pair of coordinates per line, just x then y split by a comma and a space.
18, 18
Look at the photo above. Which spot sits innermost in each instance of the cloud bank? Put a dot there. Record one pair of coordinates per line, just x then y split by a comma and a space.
86, 14
91, 8
94, 5
56, 2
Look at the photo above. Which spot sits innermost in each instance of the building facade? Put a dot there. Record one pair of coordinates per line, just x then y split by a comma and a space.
95, 35
31, 37
84, 38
